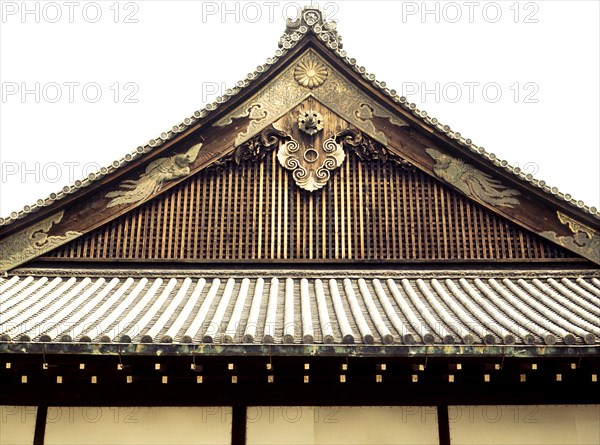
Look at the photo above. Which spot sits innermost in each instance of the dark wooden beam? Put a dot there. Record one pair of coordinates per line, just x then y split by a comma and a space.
238, 425
443, 424
40, 425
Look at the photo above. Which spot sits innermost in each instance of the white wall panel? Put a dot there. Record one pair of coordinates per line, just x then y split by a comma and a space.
135, 425
380, 425
532, 424
17, 424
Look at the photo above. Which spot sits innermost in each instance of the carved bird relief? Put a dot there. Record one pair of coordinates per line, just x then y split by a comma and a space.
471, 181
151, 181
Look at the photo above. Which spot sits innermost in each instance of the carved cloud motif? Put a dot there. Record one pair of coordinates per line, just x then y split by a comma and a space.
32, 242
584, 240
472, 182
157, 173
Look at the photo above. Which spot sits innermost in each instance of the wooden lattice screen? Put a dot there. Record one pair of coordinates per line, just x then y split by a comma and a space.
255, 212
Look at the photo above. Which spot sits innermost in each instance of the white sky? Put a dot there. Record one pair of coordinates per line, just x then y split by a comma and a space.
542, 57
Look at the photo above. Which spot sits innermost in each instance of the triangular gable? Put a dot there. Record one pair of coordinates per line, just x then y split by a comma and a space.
309, 65
369, 210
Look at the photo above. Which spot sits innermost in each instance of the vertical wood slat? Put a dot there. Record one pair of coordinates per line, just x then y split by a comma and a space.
389, 211
362, 229
93, 240
428, 249
272, 204
336, 222
260, 211
396, 198
186, 217
193, 220
285, 215
169, 229
255, 229
351, 184
469, 233
165, 240
152, 235
209, 216
112, 248
368, 210
226, 214
309, 244
382, 211
237, 237
342, 216
201, 233
298, 253
279, 211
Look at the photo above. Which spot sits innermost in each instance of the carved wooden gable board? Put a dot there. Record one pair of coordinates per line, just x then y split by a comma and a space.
305, 112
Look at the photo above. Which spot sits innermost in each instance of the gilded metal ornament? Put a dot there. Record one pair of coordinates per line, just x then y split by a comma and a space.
584, 241
310, 74
575, 225
472, 182
32, 242
284, 93
151, 181
311, 166
310, 122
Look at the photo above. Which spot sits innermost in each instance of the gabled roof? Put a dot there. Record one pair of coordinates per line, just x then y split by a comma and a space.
295, 32
315, 310
550, 214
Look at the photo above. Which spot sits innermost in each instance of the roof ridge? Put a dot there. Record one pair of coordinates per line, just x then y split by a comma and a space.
262, 272
311, 20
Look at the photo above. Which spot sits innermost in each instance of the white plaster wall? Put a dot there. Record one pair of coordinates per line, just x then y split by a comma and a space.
526, 424
135, 425
380, 425
17, 424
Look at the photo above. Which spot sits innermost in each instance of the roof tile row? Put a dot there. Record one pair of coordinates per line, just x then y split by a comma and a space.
288, 309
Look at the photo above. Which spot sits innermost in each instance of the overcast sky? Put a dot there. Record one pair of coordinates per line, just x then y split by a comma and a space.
84, 83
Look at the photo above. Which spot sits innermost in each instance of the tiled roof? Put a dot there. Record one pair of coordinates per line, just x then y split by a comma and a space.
303, 307
295, 32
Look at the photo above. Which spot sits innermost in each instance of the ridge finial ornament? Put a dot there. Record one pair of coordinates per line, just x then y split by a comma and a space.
310, 19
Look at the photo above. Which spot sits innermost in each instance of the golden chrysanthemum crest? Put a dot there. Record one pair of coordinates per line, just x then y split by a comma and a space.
311, 74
